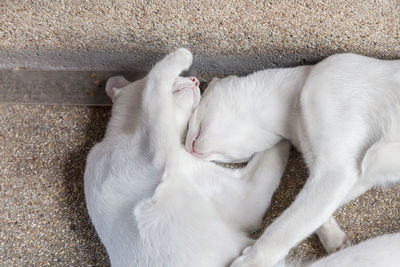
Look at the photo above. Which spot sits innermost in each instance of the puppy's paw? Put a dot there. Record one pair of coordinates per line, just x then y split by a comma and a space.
183, 58
333, 239
249, 258
339, 243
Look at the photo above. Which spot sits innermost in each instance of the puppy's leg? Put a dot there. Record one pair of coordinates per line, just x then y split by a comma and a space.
263, 175
324, 192
158, 118
381, 165
331, 236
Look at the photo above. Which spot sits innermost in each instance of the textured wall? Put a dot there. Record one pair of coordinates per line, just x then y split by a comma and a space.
227, 36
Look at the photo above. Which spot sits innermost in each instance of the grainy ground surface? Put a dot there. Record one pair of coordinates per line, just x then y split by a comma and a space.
43, 219
227, 37
206, 26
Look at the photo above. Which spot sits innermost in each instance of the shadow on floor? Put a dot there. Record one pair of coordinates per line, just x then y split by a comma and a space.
74, 169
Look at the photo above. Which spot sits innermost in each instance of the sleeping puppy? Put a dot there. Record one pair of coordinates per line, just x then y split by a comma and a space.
343, 114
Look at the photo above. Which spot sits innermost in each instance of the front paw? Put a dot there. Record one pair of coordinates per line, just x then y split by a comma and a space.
182, 58
249, 258
339, 242
332, 236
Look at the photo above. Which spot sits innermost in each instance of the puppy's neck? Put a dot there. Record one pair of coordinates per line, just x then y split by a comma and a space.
279, 91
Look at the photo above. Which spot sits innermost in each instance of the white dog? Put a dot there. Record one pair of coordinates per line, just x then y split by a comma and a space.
382, 251
154, 204
343, 114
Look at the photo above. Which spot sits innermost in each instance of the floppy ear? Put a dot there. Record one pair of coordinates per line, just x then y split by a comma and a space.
205, 85
214, 80
114, 84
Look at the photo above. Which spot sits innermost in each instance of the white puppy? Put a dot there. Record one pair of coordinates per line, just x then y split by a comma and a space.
154, 204
382, 251
343, 114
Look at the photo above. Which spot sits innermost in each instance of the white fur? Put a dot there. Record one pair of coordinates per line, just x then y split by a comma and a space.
381, 251
343, 114
152, 203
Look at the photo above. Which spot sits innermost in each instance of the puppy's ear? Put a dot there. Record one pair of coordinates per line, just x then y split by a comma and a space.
213, 80
114, 84
205, 85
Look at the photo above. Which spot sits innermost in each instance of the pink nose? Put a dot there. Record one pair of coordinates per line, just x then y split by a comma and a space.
194, 79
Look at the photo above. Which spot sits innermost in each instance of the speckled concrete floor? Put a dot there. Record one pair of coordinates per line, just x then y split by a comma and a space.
236, 36
207, 26
43, 219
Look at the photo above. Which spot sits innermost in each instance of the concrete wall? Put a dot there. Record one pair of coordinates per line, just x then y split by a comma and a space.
226, 36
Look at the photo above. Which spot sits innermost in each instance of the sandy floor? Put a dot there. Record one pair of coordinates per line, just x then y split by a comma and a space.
237, 27
44, 221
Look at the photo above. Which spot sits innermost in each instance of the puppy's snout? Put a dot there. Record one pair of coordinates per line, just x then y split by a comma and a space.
195, 80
